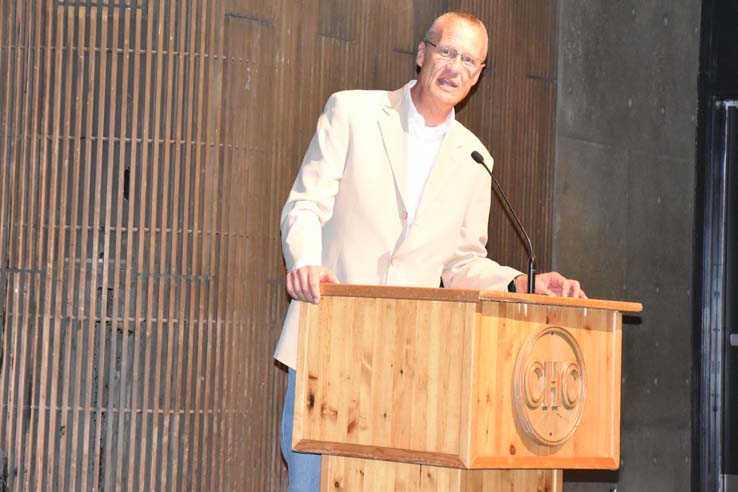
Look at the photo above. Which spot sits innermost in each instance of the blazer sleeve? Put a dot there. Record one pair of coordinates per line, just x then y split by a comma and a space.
311, 199
469, 266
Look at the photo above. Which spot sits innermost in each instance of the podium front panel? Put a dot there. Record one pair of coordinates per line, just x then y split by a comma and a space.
385, 378
546, 387
459, 383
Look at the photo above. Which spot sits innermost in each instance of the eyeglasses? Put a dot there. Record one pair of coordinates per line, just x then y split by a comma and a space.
469, 62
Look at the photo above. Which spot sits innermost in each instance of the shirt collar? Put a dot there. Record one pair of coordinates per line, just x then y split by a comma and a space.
416, 122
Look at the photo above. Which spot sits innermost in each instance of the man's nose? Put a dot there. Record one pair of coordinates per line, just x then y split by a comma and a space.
454, 62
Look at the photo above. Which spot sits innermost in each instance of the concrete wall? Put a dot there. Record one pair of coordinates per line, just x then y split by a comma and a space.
623, 211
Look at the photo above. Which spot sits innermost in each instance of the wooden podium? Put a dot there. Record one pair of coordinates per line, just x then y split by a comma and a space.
457, 390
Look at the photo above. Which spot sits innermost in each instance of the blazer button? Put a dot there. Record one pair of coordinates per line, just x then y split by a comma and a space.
403, 215
394, 262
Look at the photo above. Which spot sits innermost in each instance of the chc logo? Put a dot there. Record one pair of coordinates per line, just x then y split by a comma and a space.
552, 383
549, 386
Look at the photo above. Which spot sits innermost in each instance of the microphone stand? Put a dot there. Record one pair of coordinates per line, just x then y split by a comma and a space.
521, 230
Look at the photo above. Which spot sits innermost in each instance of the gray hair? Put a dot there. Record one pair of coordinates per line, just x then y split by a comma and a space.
432, 32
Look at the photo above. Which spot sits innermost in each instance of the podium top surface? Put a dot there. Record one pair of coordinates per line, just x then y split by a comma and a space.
469, 295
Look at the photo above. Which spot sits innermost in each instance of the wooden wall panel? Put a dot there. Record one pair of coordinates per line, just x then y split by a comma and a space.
146, 148
513, 112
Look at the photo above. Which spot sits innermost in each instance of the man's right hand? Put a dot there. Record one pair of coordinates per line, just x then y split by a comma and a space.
303, 284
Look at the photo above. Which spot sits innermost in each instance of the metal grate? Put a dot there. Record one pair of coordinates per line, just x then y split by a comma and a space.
126, 332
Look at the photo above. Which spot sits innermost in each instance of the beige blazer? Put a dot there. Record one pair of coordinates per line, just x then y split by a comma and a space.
347, 206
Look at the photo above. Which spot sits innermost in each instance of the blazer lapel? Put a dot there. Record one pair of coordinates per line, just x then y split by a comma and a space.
442, 171
393, 127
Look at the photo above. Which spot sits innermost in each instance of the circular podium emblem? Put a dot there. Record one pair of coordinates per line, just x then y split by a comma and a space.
549, 386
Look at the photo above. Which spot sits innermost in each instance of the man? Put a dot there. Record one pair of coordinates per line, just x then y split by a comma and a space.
388, 195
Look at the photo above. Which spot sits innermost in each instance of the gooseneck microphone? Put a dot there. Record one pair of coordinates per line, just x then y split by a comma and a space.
521, 230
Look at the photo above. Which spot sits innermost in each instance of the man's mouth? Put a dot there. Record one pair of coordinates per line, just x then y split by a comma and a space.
448, 83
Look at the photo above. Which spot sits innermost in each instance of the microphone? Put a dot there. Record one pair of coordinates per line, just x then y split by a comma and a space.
521, 230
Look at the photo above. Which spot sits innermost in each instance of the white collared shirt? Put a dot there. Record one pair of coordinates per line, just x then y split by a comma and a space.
423, 144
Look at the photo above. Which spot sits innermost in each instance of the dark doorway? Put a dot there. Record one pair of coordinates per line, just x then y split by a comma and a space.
730, 352
715, 408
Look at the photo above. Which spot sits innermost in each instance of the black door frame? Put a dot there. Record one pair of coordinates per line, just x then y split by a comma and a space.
714, 286
711, 301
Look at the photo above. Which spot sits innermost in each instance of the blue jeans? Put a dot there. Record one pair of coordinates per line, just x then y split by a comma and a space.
303, 469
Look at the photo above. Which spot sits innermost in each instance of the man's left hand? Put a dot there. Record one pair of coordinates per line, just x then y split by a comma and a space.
551, 284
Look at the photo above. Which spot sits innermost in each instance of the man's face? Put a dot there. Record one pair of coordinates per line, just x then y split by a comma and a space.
448, 81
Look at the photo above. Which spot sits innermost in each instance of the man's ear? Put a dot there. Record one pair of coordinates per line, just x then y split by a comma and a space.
421, 54
479, 74
476, 77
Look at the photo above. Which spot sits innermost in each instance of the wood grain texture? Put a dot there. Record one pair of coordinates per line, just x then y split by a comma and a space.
146, 148
500, 335
362, 475
449, 383
467, 295
388, 382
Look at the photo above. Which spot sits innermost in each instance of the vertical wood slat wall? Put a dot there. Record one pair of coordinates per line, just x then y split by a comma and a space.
145, 149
